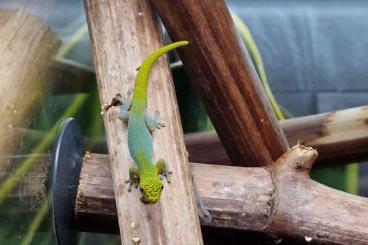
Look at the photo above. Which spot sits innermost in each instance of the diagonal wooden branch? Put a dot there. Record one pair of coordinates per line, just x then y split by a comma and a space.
222, 73
123, 34
280, 199
340, 137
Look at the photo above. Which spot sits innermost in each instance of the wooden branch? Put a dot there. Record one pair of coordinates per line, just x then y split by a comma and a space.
27, 47
281, 200
340, 137
123, 33
223, 75
305, 208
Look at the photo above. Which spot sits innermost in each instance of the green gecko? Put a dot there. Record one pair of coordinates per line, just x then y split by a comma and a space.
148, 174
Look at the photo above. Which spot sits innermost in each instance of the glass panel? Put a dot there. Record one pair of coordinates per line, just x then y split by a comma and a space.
46, 75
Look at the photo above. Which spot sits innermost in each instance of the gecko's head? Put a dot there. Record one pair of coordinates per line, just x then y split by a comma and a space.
151, 188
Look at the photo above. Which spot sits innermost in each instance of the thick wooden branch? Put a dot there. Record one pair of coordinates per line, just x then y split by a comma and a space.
281, 200
340, 137
305, 208
224, 77
123, 34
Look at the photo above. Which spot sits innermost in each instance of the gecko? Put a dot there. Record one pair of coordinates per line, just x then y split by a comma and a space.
147, 174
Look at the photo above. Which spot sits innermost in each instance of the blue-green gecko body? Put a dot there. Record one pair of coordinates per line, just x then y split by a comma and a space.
140, 125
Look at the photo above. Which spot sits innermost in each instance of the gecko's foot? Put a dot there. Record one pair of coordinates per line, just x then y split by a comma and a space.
152, 123
167, 174
131, 183
157, 116
162, 170
133, 178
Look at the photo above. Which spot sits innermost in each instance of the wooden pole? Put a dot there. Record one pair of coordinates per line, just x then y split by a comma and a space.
123, 33
340, 137
279, 200
222, 73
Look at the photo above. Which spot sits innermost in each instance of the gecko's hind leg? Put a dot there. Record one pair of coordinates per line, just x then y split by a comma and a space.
152, 122
162, 170
133, 178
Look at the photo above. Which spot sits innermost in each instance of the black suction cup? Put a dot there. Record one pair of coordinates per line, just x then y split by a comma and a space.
67, 162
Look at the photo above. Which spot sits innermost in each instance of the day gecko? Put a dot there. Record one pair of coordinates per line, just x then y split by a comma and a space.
147, 172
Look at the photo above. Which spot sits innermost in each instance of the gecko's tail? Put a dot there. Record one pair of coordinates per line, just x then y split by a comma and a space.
140, 88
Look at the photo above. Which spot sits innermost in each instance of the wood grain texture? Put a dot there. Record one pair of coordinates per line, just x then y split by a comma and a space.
123, 33
305, 208
223, 75
224, 190
340, 137
279, 200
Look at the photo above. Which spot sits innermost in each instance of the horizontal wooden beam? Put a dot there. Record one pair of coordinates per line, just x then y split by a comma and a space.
281, 200
340, 137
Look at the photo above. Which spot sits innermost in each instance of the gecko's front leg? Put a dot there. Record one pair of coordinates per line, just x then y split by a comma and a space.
134, 178
124, 107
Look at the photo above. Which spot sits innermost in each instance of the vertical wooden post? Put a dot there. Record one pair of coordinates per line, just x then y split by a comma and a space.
223, 75
123, 33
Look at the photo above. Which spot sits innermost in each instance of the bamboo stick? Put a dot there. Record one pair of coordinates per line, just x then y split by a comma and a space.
340, 137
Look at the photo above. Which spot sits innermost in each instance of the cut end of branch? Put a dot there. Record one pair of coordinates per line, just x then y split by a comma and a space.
299, 157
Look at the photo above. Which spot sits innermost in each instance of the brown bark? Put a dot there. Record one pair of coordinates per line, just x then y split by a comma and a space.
123, 33
340, 137
223, 75
279, 200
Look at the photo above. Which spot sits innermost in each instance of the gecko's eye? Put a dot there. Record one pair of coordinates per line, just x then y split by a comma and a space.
141, 189
162, 187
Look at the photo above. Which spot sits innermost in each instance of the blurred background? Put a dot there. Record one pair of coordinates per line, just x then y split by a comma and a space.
315, 55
